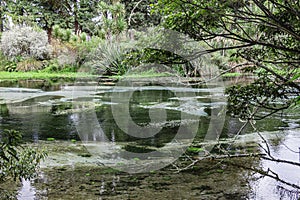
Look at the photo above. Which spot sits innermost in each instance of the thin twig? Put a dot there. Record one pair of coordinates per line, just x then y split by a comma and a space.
132, 11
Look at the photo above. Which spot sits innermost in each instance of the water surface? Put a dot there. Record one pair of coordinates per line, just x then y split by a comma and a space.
41, 114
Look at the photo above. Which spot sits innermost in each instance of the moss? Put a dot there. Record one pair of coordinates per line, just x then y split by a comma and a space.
50, 139
194, 150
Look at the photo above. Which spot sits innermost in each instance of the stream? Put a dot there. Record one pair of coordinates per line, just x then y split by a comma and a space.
118, 142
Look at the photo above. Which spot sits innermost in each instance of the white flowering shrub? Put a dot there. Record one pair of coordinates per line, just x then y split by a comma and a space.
25, 42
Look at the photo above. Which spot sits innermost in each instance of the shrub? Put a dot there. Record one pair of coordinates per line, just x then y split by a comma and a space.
85, 48
64, 35
52, 66
68, 34
107, 58
83, 37
25, 42
17, 161
30, 64
6, 64
56, 31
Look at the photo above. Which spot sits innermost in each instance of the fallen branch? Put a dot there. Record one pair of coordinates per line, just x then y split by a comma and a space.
197, 159
281, 161
213, 157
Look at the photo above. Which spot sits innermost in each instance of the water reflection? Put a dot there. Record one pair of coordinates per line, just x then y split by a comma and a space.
45, 85
27, 191
40, 118
287, 149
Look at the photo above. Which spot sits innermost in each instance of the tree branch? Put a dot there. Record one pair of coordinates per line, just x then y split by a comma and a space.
132, 11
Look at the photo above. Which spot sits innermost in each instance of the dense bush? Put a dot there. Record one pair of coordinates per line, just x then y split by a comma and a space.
16, 160
25, 42
108, 58
30, 64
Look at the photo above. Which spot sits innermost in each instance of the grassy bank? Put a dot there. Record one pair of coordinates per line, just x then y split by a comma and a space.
42, 75
232, 74
144, 74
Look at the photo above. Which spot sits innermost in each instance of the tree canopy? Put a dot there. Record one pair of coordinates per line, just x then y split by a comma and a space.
138, 14
265, 35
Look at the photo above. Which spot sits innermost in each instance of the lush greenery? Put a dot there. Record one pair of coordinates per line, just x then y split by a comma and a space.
106, 37
263, 35
42, 75
64, 38
17, 161
56, 35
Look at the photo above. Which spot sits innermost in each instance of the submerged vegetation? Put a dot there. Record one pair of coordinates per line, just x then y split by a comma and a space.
121, 40
17, 161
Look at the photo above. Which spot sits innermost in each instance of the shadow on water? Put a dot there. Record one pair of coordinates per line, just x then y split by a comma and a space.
45, 85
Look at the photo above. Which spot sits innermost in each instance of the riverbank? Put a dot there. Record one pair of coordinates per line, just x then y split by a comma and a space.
42, 75
72, 75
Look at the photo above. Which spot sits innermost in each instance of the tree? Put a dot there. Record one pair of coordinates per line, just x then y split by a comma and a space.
111, 18
79, 15
138, 14
44, 13
11, 10
264, 34
82, 16
2, 8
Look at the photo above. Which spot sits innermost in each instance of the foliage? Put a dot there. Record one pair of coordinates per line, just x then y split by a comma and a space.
70, 28
138, 14
112, 19
155, 45
194, 150
30, 64
79, 16
17, 161
107, 58
164, 47
64, 35
149, 55
25, 42
265, 34
6, 64
85, 49
65, 54
43, 74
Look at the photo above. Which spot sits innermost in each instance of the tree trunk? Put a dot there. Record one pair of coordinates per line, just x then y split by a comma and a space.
1, 24
49, 33
1, 17
76, 26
